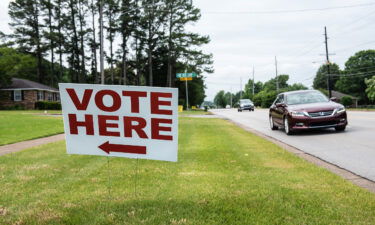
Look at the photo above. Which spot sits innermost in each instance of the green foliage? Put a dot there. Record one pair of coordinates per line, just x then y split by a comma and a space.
266, 94
15, 64
370, 90
359, 67
42, 105
271, 84
321, 78
220, 99
346, 101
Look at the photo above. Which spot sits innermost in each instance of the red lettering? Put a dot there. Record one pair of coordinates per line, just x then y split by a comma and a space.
155, 103
134, 98
129, 126
116, 100
104, 125
74, 124
80, 105
156, 128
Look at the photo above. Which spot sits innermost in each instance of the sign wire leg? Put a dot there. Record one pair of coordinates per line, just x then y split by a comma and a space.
136, 178
109, 179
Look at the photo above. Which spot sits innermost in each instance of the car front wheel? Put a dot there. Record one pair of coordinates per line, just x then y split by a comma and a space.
272, 125
286, 127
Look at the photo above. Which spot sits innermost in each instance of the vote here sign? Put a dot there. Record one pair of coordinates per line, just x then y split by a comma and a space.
121, 121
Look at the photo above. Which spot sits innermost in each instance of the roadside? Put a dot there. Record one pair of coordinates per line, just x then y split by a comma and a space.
348, 154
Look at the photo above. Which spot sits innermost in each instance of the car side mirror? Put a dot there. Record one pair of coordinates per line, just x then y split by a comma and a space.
334, 99
280, 105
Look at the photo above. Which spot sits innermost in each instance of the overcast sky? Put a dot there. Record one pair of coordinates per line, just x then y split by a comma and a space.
241, 39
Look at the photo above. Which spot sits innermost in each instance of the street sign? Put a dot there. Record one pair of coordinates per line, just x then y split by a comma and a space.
186, 78
181, 75
120, 121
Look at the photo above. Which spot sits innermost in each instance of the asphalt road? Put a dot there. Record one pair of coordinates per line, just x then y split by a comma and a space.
353, 149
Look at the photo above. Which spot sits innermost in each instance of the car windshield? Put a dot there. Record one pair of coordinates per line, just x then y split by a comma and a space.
244, 101
305, 98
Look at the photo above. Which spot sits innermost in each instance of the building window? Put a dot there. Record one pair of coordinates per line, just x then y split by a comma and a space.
57, 97
17, 95
40, 95
49, 96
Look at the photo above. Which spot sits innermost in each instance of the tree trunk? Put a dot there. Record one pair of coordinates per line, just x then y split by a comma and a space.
39, 70
51, 31
94, 52
82, 77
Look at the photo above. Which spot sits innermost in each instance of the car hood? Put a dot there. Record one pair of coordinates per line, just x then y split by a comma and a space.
315, 107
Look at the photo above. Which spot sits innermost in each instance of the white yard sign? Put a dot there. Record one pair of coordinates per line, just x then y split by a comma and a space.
121, 121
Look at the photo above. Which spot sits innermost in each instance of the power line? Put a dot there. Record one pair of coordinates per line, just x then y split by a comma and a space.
289, 11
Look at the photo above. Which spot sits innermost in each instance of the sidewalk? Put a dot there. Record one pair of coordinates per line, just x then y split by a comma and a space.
19, 146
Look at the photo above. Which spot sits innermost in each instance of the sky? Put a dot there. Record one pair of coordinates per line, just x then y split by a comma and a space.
248, 33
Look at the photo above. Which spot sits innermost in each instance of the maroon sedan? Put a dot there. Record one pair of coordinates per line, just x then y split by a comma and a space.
308, 109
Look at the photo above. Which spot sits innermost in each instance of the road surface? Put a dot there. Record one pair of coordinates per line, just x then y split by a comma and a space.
353, 149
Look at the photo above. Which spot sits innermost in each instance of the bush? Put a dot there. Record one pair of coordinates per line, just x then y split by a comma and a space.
346, 101
42, 105
13, 107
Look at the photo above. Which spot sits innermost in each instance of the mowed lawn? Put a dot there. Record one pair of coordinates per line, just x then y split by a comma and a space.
224, 175
18, 126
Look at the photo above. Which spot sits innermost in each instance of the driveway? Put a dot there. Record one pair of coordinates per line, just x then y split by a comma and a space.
353, 149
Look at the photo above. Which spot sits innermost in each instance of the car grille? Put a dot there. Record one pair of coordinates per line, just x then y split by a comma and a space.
321, 114
323, 124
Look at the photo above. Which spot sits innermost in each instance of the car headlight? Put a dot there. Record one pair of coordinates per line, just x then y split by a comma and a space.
340, 110
298, 114
241, 105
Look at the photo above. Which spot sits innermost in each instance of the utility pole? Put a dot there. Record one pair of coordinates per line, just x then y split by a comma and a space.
329, 87
230, 97
253, 83
101, 42
277, 76
240, 87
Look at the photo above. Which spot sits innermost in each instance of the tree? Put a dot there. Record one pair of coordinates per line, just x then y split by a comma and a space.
359, 67
27, 27
15, 64
220, 100
258, 86
370, 90
321, 78
112, 26
282, 80
346, 101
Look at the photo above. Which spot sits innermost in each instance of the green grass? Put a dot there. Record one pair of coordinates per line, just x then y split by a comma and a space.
18, 126
361, 109
224, 175
193, 112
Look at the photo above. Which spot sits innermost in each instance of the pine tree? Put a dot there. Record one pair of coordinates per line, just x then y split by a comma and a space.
25, 17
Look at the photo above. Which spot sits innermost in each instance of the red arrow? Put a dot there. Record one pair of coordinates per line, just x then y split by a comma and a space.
107, 147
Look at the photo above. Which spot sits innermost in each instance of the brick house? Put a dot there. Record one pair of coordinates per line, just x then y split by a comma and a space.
25, 93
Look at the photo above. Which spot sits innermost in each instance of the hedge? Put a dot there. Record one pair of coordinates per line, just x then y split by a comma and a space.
48, 105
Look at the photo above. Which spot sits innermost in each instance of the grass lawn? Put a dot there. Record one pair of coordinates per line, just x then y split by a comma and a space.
18, 126
224, 175
194, 112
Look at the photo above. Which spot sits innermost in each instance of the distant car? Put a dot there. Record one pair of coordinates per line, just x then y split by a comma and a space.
308, 109
245, 104
227, 106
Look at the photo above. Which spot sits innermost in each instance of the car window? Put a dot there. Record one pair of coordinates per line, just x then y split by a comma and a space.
245, 101
306, 98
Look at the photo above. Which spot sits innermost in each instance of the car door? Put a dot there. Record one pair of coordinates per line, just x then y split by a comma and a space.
280, 109
274, 111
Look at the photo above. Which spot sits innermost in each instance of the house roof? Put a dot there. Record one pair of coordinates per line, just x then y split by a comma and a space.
339, 95
22, 84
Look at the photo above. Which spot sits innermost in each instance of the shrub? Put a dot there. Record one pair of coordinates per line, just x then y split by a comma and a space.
42, 105
346, 101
